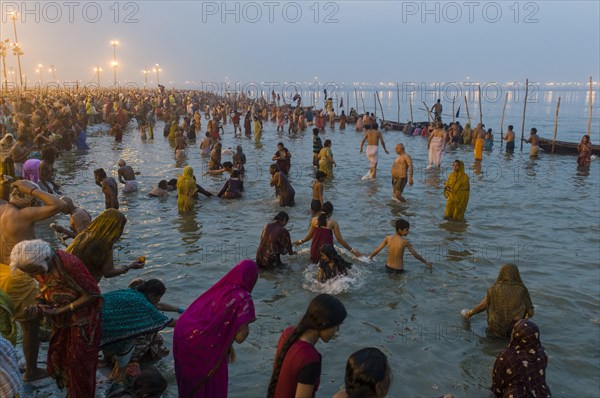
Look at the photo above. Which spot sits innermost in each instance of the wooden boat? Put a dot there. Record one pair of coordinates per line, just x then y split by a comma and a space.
564, 148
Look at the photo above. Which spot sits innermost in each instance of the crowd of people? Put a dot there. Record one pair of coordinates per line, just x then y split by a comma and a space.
38, 281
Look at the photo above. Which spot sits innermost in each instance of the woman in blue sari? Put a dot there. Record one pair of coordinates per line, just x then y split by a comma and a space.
129, 314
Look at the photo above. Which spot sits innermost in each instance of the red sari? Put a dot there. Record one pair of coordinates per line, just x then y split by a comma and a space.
73, 351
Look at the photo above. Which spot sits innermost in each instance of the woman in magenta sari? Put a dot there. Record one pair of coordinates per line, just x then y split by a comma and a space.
204, 334
72, 301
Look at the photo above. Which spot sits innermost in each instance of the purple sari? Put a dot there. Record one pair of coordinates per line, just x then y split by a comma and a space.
207, 329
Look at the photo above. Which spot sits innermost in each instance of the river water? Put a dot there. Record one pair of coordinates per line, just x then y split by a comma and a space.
542, 215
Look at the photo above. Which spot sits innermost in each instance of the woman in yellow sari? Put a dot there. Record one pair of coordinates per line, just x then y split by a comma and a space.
456, 192
326, 161
186, 190
94, 246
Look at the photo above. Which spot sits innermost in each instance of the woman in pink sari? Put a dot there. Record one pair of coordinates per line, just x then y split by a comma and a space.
204, 334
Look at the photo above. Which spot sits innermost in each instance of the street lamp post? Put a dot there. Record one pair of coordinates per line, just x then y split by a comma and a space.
157, 70
16, 49
52, 70
98, 69
115, 65
40, 70
3, 47
145, 71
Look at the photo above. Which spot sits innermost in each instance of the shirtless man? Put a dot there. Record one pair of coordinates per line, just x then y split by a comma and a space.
18, 154
399, 172
437, 110
534, 141
510, 140
17, 222
127, 177
396, 244
109, 188
373, 137
79, 220
181, 144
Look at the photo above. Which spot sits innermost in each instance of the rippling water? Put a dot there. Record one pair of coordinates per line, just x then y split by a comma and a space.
542, 215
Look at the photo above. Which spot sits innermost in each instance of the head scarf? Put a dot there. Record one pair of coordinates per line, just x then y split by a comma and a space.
507, 299
10, 378
458, 181
206, 330
186, 186
35, 251
520, 369
94, 244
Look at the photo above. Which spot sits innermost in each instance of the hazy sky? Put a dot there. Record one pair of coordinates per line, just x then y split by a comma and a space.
340, 41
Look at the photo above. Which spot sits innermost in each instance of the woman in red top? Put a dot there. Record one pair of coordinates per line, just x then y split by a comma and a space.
322, 230
297, 367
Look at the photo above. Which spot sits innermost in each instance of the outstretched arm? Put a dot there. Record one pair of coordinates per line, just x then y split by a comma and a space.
338, 236
417, 256
477, 309
379, 248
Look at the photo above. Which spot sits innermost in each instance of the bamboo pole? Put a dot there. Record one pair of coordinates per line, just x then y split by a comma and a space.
381, 107
524, 109
453, 120
398, 98
555, 124
347, 103
375, 103
356, 100
502, 121
591, 103
428, 113
480, 110
363, 102
411, 110
467, 109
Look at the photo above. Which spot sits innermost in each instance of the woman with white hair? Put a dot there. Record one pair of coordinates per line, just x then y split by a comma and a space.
71, 300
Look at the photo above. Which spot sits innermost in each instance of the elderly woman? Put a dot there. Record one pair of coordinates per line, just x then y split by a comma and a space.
203, 338
520, 369
94, 246
72, 301
506, 302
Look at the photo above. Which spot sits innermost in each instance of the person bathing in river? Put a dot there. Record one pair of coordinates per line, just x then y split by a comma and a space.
396, 244
373, 137
331, 264
322, 230
127, 177
317, 193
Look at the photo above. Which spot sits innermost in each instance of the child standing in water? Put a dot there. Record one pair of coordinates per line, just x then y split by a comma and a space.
396, 244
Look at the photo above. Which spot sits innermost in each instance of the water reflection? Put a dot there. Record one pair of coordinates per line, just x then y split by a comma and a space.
188, 227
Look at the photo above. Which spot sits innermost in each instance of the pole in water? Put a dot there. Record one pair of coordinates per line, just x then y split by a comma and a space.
467, 109
453, 119
524, 109
480, 110
591, 107
502, 121
555, 124
398, 98
411, 109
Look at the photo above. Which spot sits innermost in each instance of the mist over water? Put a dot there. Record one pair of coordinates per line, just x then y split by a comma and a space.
542, 215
